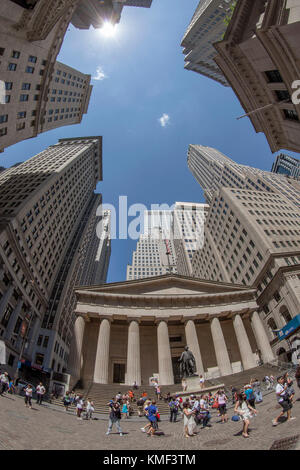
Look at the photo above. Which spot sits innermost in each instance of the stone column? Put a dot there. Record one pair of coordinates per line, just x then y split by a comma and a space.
133, 354
33, 336
102, 354
222, 356
165, 368
5, 299
261, 338
244, 344
193, 344
13, 318
75, 361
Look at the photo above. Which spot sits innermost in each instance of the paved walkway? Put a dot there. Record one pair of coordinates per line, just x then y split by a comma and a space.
45, 427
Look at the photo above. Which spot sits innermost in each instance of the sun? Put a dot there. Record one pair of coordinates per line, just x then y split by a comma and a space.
108, 30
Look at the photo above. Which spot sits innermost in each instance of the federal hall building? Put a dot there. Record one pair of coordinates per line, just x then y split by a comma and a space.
130, 331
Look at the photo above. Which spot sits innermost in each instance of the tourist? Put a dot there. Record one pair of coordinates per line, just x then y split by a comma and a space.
202, 382
267, 381
243, 409
204, 414
257, 390
173, 405
297, 374
125, 409
89, 409
283, 400
158, 392
140, 406
152, 415
28, 395
119, 397
233, 394
114, 417
40, 392
290, 389
250, 395
67, 400
131, 395
189, 423
222, 399
144, 394
4, 382
79, 406
135, 386
11, 387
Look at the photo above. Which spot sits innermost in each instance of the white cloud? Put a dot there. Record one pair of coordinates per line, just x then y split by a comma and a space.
164, 120
100, 75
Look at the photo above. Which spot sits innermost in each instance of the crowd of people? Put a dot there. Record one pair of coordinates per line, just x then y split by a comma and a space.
196, 411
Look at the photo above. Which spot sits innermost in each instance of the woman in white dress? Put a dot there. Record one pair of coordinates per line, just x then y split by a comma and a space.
243, 409
188, 420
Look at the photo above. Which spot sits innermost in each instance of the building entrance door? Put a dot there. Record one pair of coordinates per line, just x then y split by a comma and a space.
119, 373
176, 369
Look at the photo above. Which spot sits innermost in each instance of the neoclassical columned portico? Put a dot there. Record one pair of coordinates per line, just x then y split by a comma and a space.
144, 326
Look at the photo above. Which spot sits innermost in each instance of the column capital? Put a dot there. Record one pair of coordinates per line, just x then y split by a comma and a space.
136, 319
108, 318
158, 320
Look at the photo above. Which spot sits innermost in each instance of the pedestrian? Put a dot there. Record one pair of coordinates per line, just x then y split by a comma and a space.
233, 394
204, 414
89, 409
114, 417
257, 390
119, 397
243, 409
140, 406
267, 382
125, 409
297, 375
222, 400
4, 382
283, 400
28, 395
250, 395
158, 392
79, 406
67, 400
173, 405
131, 395
11, 387
290, 389
202, 382
40, 392
189, 423
135, 386
152, 416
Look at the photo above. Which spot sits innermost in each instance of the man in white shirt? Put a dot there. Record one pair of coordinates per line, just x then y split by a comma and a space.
4, 382
283, 400
40, 392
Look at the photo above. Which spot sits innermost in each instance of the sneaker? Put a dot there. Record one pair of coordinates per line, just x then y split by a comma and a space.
274, 422
121, 434
143, 430
292, 418
107, 433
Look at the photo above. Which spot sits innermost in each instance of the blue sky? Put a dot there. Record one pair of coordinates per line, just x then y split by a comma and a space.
144, 79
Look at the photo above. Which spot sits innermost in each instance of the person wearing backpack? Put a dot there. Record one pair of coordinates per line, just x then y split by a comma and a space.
250, 395
173, 405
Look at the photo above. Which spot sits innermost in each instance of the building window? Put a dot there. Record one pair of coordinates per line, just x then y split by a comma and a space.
7, 98
3, 118
291, 114
12, 67
274, 76
39, 359
11, 360
20, 126
24, 97
32, 58
21, 115
3, 131
277, 296
46, 340
29, 69
15, 54
283, 95
18, 325
26, 86
8, 85
6, 316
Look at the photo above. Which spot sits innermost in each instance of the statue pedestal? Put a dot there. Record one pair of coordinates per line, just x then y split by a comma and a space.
192, 383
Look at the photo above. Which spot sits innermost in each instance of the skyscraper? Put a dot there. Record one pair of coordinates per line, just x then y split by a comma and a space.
188, 229
155, 252
42, 204
259, 57
252, 236
286, 165
40, 93
207, 26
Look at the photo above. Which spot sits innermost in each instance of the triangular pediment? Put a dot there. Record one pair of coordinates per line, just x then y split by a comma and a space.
173, 285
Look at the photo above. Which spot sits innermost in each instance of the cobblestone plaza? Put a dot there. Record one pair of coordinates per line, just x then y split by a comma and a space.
47, 427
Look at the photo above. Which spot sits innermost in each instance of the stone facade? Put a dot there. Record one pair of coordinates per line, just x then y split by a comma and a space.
42, 203
128, 331
40, 93
259, 57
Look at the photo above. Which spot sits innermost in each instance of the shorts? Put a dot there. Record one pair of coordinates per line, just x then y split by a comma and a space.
286, 405
222, 409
